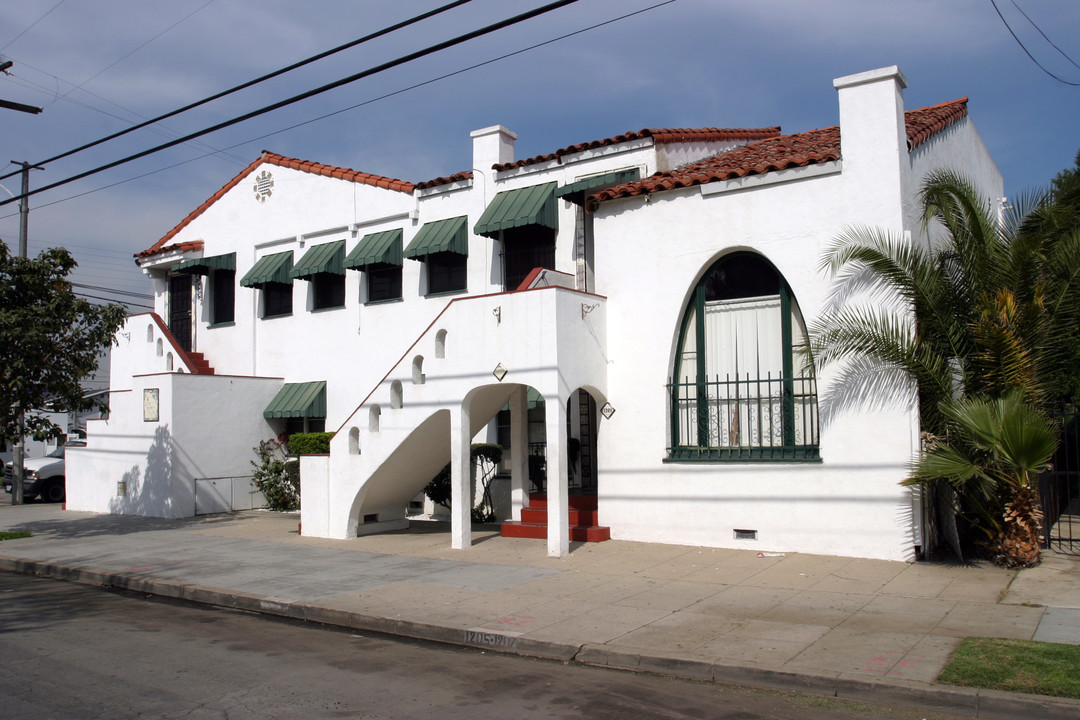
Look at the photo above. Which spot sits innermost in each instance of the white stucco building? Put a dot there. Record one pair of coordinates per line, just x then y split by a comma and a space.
631, 302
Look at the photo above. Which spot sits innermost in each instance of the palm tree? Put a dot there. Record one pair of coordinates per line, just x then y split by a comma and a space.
996, 449
981, 311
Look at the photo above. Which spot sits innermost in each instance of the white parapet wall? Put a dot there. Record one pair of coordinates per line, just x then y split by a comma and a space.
164, 433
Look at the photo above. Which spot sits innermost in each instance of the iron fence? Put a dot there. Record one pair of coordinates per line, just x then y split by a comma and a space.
1059, 489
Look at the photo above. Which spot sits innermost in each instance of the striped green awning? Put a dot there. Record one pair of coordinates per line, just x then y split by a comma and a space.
576, 192
381, 248
269, 269
450, 235
298, 400
203, 266
534, 205
326, 258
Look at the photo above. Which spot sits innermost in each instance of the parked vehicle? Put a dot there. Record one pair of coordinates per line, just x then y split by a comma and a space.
43, 477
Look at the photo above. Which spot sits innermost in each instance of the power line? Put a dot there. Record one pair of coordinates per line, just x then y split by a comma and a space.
114, 291
111, 300
1018, 42
31, 26
357, 105
256, 81
431, 49
1048, 40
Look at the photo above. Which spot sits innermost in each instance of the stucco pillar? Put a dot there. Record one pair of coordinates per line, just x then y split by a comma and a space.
460, 479
558, 494
519, 450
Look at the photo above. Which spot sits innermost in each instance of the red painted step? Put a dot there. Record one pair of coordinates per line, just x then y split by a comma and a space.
582, 515
199, 365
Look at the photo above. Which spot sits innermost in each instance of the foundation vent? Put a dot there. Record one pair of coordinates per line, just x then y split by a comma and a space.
745, 534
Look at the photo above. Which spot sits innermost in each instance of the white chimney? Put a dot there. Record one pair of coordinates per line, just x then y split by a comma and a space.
492, 146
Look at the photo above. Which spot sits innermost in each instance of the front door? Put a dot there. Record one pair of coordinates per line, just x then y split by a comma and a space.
180, 310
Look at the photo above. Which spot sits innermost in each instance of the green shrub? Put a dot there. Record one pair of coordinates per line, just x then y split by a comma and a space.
276, 476
485, 459
316, 443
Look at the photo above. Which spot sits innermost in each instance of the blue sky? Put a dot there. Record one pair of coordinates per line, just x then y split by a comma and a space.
96, 67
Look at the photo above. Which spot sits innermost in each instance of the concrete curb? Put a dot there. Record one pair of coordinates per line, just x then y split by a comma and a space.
992, 704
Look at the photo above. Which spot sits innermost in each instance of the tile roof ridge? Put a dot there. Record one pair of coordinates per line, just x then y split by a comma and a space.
658, 136
445, 180
282, 161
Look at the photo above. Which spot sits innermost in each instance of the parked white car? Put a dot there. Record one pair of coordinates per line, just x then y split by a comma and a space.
43, 477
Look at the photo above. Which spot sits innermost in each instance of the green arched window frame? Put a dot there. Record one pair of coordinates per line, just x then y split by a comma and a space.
716, 418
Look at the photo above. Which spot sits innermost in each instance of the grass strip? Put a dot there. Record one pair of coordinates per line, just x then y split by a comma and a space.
13, 535
1023, 666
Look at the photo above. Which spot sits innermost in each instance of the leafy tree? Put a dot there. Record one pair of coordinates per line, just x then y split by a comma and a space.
990, 309
276, 475
49, 341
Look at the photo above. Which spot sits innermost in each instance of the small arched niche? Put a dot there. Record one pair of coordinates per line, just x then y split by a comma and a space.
418, 370
440, 344
397, 398
373, 418
354, 441
168, 362
150, 333
160, 347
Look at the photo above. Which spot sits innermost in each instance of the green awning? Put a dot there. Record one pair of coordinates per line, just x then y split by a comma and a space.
576, 192
203, 266
269, 269
534, 205
450, 235
326, 258
298, 400
381, 248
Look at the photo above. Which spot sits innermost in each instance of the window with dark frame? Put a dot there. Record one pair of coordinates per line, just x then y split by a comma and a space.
277, 299
524, 249
329, 290
446, 272
223, 290
383, 282
737, 392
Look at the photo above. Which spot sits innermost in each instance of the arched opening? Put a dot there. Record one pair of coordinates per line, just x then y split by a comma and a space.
160, 347
396, 396
418, 370
169, 362
150, 333
354, 441
373, 418
737, 391
440, 344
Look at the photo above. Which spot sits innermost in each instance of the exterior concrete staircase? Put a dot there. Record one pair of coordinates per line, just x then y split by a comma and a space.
399, 437
583, 520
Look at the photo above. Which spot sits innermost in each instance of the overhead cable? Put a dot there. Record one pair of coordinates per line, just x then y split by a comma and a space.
256, 81
431, 49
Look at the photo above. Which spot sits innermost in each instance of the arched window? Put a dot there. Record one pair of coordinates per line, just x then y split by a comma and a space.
738, 391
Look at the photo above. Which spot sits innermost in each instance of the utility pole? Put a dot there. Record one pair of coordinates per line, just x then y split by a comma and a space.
18, 452
8, 104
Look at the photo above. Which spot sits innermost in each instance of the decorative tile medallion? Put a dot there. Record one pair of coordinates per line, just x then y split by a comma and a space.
264, 186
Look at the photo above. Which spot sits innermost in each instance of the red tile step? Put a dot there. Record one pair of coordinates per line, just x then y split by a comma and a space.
199, 364
582, 515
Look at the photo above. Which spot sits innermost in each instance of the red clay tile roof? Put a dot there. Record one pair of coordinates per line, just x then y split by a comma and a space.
924, 123
456, 177
272, 158
787, 151
658, 135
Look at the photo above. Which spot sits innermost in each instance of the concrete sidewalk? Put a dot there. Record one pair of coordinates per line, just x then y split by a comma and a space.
858, 629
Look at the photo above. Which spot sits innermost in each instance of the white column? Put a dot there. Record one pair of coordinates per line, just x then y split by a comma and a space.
519, 450
558, 493
460, 479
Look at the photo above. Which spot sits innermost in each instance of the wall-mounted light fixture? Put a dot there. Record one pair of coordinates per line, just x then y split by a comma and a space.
499, 372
